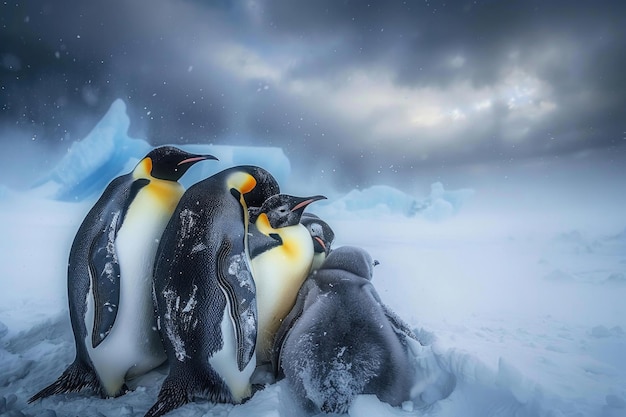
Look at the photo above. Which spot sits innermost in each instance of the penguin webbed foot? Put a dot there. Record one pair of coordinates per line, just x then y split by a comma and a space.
169, 399
75, 378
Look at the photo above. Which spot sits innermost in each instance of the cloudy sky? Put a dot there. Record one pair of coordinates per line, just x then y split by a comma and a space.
359, 90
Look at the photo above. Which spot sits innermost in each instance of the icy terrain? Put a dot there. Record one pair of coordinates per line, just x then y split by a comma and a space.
527, 314
519, 341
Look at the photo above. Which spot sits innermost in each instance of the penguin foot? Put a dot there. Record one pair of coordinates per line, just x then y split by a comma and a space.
76, 377
169, 399
182, 388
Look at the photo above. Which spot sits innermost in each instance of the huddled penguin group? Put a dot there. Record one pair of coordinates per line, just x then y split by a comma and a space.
219, 280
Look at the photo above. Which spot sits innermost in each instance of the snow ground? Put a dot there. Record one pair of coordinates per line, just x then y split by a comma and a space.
531, 322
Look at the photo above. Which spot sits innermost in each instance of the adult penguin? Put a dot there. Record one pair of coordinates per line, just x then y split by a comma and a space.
204, 291
322, 235
340, 341
110, 276
281, 264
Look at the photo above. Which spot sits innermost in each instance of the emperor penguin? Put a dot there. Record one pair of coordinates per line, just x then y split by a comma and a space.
204, 291
340, 340
322, 235
279, 265
110, 276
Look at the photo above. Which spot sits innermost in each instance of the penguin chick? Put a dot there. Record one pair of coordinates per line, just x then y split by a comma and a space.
279, 264
110, 276
340, 341
322, 236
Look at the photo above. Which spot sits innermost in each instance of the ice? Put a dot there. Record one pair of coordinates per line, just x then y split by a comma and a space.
527, 316
89, 165
108, 151
385, 200
442, 204
514, 342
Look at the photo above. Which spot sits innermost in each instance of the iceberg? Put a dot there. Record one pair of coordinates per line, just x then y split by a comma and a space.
385, 200
89, 165
442, 204
108, 151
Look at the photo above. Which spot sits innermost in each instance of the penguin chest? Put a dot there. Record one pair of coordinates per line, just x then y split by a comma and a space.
278, 275
133, 346
224, 361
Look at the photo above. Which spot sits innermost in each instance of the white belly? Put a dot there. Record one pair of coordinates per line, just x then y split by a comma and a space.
278, 275
133, 345
225, 361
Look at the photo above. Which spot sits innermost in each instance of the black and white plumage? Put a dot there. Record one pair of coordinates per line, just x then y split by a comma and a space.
204, 291
110, 276
282, 253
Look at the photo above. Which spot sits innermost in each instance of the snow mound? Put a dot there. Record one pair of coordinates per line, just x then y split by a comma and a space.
107, 152
575, 257
385, 200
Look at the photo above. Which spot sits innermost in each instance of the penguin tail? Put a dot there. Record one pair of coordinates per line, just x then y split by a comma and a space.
76, 377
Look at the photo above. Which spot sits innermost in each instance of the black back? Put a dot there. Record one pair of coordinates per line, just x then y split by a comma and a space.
201, 256
91, 253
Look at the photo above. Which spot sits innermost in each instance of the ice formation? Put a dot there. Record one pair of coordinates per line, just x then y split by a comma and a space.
441, 204
108, 151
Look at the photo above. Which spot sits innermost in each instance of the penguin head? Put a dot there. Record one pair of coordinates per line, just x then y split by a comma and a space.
320, 231
351, 259
265, 185
284, 210
170, 163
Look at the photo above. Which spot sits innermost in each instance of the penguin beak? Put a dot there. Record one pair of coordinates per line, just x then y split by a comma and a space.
321, 242
302, 203
197, 158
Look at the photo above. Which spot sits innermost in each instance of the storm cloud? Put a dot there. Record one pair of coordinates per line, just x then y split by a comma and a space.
351, 89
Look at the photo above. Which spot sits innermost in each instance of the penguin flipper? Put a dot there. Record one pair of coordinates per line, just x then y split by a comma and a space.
76, 377
104, 267
235, 279
399, 325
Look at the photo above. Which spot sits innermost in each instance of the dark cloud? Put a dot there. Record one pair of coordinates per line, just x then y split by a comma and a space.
353, 91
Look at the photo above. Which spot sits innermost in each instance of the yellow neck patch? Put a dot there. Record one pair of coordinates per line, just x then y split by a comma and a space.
166, 192
143, 169
241, 181
263, 224
290, 245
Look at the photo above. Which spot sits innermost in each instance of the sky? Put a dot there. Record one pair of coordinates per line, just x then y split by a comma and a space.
359, 92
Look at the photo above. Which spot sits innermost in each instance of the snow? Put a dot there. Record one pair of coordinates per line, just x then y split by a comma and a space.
527, 315
517, 343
